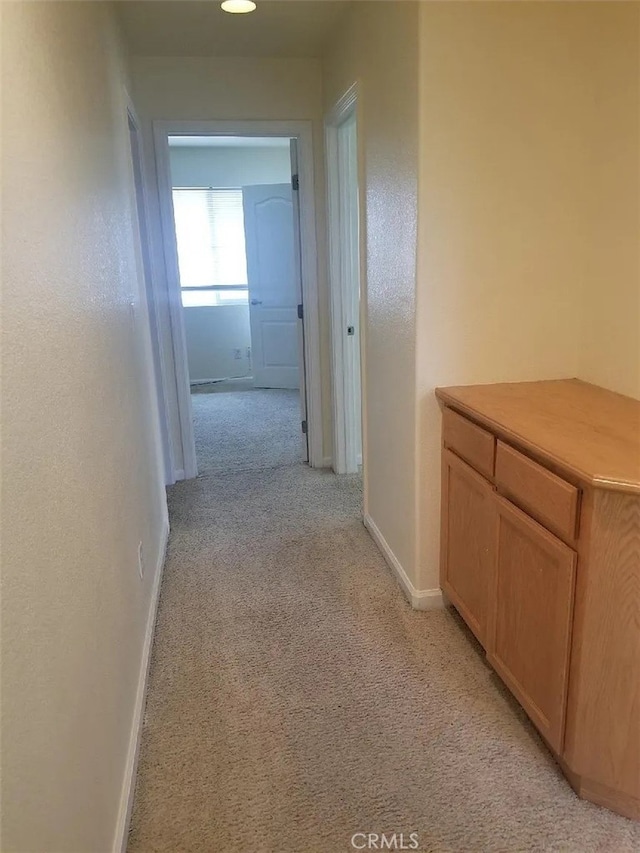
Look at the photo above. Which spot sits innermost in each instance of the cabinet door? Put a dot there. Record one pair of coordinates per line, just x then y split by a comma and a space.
531, 617
465, 560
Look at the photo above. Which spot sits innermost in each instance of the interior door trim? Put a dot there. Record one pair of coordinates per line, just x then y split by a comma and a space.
176, 351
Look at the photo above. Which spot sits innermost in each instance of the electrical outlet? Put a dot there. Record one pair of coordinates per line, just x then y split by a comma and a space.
140, 561
237, 354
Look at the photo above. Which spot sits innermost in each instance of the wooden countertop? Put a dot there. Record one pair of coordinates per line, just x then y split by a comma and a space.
589, 431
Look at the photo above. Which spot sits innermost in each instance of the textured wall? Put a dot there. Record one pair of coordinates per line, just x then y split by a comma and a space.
610, 341
81, 475
517, 155
378, 45
198, 88
527, 242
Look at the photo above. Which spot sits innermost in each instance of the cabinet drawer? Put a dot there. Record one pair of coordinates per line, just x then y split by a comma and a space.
542, 494
471, 442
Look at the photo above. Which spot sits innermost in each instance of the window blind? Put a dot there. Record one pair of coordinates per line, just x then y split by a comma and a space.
210, 237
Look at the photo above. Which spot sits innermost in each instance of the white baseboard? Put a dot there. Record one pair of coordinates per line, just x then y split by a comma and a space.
193, 382
427, 599
420, 599
327, 461
129, 783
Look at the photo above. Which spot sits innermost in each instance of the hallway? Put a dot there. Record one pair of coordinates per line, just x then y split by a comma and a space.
295, 698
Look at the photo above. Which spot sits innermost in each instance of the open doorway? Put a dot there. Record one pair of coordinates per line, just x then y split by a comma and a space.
276, 341
237, 237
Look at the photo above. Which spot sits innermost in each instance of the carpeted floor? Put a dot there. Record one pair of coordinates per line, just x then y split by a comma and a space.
248, 429
222, 386
296, 699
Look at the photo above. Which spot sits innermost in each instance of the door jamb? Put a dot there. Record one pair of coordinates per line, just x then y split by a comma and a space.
302, 131
140, 202
297, 247
342, 366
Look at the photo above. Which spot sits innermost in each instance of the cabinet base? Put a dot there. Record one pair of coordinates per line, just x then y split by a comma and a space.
587, 789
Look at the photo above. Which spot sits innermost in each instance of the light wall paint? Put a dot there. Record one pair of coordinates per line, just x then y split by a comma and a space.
377, 45
206, 88
213, 334
528, 214
229, 167
610, 339
527, 243
81, 464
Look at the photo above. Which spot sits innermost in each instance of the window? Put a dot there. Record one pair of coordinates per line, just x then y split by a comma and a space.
211, 252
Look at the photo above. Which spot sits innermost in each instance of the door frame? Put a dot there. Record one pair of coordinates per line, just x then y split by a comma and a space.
302, 132
140, 201
345, 363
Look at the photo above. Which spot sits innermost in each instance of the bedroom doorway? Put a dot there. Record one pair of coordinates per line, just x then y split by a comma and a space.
234, 253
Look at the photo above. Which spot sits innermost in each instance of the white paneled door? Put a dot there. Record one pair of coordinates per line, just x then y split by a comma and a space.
274, 286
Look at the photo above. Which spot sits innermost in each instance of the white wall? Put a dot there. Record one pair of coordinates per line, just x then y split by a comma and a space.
205, 88
213, 334
528, 215
81, 468
229, 167
377, 44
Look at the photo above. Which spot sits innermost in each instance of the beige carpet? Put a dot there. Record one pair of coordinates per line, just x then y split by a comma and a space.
295, 698
223, 386
245, 428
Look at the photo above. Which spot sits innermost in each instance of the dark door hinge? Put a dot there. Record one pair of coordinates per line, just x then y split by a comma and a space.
304, 427
300, 312
295, 182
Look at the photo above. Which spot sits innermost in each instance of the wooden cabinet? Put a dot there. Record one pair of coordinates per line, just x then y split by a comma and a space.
466, 541
540, 554
531, 616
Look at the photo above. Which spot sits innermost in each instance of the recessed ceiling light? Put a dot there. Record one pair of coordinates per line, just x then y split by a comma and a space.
238, 7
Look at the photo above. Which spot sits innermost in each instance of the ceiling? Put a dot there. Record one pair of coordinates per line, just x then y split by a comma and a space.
229, 142
280, 28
